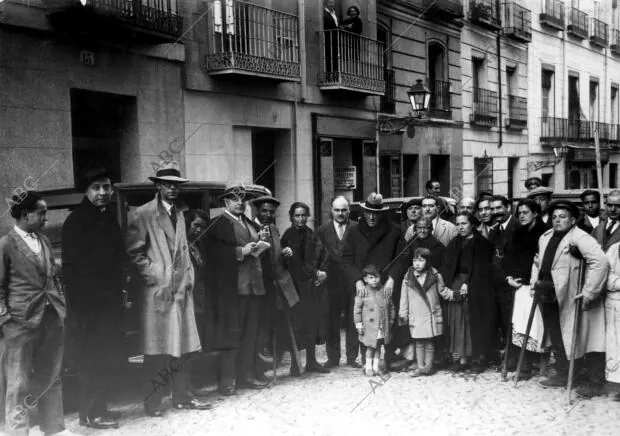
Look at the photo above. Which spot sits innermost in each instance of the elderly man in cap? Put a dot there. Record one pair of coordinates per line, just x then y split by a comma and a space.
562, 250
410, 212
235, 292
157, 245
542, 196
373, 241
441, 229
533, 183
92, 256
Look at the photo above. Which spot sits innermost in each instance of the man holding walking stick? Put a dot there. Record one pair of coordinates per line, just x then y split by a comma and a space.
556, 282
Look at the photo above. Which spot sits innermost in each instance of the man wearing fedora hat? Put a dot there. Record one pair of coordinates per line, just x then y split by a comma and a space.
157, 246
555, 280
92, 259
236, 292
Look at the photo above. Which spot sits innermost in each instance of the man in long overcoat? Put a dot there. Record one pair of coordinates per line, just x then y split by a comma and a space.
236, 292
555, 275
92, 258
157, 246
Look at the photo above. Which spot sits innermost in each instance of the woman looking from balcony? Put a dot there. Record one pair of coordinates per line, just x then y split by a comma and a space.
353, 24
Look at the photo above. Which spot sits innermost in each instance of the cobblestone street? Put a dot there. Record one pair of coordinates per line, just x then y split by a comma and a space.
443, 404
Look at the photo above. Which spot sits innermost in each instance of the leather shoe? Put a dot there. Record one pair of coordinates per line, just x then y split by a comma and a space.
262, 378
153, 412
317, 367
227, 391
295, 372
99, 422
201, 392
112, 414
331, 364
250, 383
194, 404
353, 364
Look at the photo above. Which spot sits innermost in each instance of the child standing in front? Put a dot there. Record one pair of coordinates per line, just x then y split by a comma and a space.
373, 315
420, 308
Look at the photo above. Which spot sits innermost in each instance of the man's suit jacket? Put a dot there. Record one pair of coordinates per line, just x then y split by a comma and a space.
27, 285
585, 224
445, 231
328, 21
502, 245
329, 238
599, 235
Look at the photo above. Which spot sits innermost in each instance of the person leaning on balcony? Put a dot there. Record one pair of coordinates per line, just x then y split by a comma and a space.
331, 24
353, 24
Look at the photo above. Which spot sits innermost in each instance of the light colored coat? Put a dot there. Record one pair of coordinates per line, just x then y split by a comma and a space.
565, 273
161, 256
420, 305
371, 313
612, 316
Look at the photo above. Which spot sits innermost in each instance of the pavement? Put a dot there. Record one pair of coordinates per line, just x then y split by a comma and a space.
347, 402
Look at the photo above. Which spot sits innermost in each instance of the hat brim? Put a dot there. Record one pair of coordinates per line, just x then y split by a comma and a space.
266, 199
370, 209
235, 192
168, 179
563, 205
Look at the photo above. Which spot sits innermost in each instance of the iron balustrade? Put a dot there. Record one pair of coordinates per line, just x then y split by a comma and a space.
615, 42
578, 23
484, 109
517, 112
554, 129
599, 34
518, 21
351, 61
250, 39
484, 12
553, 14
439, 105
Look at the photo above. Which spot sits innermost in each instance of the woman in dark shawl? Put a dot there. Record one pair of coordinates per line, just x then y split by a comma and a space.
353, 24
308, 266
467, 270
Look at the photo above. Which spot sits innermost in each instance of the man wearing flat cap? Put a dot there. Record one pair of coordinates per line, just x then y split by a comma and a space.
542, 196
92, 256
235, 292
157, 245
410, 212
533, 183
555, 275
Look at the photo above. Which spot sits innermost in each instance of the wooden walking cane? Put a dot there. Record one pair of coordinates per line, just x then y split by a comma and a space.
573, 346
508, 338
530, 319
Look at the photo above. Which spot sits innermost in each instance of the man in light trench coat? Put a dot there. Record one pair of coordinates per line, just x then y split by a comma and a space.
555, 275
157, 246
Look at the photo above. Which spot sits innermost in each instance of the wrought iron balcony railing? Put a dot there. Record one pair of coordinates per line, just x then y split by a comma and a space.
484, 13
517, 21
246, 39
578, 23
448, 9
351, 62
440, 102
388, 100
158, 16
517, 112
557, 129
553, 15
615, 42
599, 34
484, 109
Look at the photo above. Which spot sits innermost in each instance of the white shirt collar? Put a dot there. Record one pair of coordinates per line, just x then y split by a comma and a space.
505, 223
337, 224
24, 234
435, 221
333, 14
167, 205
236, 218
594, 221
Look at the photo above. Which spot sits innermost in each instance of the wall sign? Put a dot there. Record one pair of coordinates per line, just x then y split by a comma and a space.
87, 58
345, 178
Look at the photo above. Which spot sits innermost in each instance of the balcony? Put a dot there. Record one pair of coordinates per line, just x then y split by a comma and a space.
578, 24
443, 9
553, 15
599, 34
249, 40
518, 22
350, 62
554, 130
388, 101
440, 102
484, 109
149, 21
615, 42
517, 113
484, 13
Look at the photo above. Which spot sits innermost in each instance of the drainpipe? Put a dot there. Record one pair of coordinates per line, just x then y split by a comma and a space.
499, 81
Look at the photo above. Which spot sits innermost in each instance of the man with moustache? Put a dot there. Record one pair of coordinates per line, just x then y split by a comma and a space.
444, 231
591, 217
468, 205
341, 296
92, 258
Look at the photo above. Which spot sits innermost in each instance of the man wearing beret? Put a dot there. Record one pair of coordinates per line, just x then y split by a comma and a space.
555, 275
542, 196
157, 246
92, 259
410, 212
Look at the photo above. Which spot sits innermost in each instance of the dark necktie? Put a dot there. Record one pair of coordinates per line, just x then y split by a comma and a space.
173, 216
610, 227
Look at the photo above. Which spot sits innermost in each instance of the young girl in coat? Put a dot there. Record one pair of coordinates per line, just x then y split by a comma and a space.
420, 308
373, 315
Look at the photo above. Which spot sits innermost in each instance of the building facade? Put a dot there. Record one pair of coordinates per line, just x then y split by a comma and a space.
575, 76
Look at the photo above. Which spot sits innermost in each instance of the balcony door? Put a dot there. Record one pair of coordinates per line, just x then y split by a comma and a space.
574, 107
437, 79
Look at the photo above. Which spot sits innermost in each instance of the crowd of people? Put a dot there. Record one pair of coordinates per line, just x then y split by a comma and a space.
456, 287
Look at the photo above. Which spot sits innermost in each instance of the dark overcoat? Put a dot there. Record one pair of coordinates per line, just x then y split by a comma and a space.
480, 299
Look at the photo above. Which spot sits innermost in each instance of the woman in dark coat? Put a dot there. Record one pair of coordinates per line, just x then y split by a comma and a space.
353, 24
308, 266
467, 271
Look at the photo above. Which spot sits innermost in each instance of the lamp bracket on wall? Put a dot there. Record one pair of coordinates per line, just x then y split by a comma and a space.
394, 125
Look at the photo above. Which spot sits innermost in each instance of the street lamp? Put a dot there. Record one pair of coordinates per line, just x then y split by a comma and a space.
419, 97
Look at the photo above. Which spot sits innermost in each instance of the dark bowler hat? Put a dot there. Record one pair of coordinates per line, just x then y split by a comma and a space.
415, 201
374, 203
92, 176
168, 172
564, 204
533, 181
266, 198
